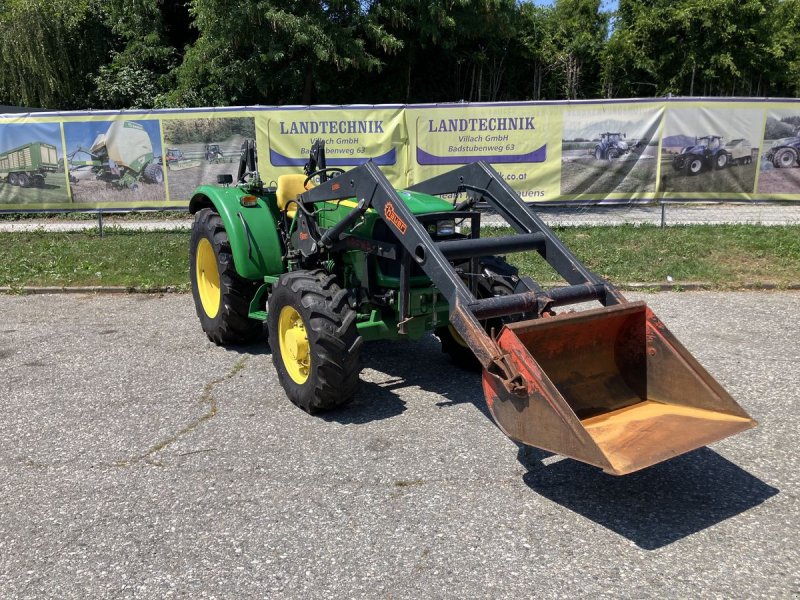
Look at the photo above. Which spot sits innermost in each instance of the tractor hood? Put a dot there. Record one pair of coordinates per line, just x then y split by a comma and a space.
698, 149
420, 203
788, 141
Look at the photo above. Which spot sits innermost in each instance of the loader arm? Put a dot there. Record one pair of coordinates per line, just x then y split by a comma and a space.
609, 386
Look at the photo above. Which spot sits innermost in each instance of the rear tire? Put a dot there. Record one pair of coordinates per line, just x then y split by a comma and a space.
314, 340
221, 297
154, 173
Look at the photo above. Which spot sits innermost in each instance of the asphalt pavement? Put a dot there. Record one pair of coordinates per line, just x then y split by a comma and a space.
138, 460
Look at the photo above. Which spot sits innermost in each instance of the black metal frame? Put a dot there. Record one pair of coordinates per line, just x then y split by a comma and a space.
482, 183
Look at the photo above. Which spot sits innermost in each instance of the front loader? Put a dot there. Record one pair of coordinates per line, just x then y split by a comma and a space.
352, 259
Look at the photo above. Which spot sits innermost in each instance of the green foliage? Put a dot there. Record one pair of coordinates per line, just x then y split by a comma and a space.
284, 51
46, 50
776, 130
150, 53
195, 131
704, 47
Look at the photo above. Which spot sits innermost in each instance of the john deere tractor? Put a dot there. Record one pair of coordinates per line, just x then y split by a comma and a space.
331, 259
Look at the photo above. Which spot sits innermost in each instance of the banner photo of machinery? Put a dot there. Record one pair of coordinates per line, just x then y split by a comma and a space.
610, 151
780, 165
32, 165
711, 151
522, 141
352, 136
578, 151
115, 162
199, 149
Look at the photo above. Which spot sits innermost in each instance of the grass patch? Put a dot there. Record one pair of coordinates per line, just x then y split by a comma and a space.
724, 256
122, 258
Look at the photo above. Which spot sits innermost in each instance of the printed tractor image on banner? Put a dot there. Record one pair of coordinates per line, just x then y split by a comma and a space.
521, 141
352, 136
609, 151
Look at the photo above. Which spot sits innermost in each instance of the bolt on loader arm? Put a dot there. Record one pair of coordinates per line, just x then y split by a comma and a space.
610, 386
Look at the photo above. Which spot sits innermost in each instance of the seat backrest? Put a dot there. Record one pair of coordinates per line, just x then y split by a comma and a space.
289, 188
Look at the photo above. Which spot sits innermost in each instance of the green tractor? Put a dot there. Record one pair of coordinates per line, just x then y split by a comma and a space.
331, 259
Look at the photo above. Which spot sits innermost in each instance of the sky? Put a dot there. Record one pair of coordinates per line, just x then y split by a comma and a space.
19, 134
83, 133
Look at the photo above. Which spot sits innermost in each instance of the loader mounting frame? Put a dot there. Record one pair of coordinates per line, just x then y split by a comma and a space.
481, 183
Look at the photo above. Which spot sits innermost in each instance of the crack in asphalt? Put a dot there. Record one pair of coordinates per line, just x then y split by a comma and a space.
207, 397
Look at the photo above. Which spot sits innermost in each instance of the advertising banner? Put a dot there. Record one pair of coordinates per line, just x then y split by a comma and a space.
578, 151
522, 141
352, 135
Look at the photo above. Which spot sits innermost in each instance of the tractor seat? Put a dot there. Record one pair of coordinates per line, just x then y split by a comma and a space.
289, 188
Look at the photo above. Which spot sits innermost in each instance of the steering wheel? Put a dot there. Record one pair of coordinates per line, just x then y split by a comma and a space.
333, 170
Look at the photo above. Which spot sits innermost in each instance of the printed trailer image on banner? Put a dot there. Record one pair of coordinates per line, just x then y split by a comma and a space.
780, 161
610, 149
32, 165
197, 150
115, 161
711, 149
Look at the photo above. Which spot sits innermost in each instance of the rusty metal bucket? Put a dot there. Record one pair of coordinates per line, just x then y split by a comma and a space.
611, 387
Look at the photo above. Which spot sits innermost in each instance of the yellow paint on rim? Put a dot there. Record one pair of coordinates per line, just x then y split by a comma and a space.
207, 275
295, 349
457, 336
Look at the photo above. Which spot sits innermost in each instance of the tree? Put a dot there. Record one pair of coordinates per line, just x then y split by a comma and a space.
148, 40
279, 52
48, 49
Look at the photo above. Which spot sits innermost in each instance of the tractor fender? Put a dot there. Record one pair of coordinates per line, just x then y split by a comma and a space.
252, 231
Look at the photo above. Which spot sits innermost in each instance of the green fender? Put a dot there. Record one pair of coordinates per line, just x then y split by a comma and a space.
252, 231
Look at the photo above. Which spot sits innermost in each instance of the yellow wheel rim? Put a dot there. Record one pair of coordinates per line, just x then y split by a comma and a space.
207, 273
457, 336
295, 349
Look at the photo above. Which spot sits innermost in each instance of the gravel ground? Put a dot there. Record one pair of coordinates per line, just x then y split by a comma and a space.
138, 460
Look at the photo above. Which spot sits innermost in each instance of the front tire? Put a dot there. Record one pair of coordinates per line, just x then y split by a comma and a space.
784, 158
694, 165
221, 297
314, 340
721, 161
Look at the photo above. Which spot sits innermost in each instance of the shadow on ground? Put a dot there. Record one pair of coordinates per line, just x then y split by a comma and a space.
653, 507
406, 365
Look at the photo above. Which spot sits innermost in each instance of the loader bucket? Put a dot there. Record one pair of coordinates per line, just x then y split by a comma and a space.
611, 387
